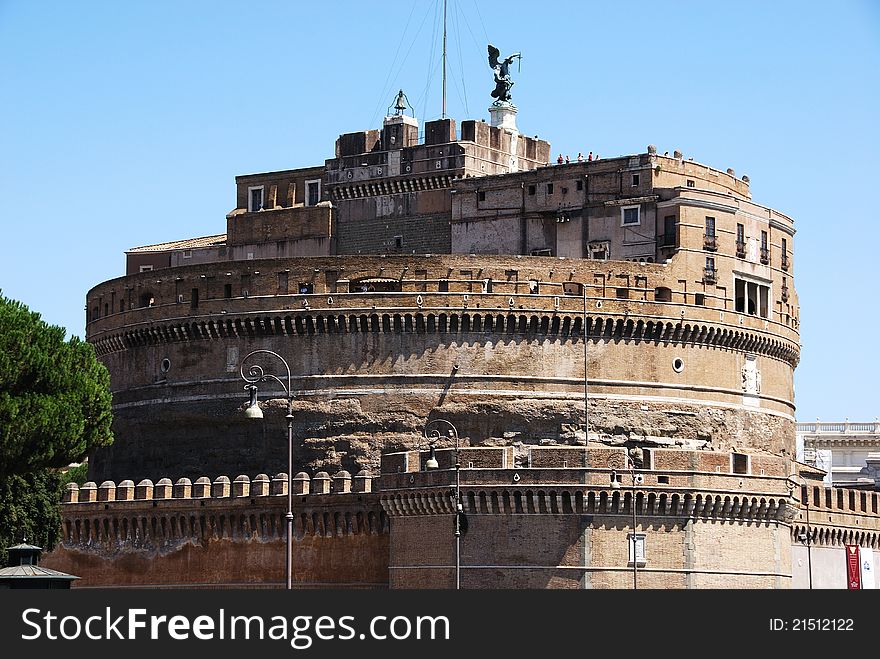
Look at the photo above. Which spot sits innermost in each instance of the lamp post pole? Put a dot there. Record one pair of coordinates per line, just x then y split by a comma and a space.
431, 436
794, 481
255, 373
632, 475
615, 484
809, 541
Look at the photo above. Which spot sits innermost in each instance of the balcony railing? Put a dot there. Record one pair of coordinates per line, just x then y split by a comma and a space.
765, 256
740, 249
666, 240
710, 275
709, 243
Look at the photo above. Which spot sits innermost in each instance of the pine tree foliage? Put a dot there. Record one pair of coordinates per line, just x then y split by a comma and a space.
54, 394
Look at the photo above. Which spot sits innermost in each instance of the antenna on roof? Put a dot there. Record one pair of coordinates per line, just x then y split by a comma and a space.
443, 112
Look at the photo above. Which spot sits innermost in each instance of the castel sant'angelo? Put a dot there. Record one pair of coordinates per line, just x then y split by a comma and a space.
609, 340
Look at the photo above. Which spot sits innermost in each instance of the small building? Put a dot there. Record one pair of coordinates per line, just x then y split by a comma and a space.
23, 570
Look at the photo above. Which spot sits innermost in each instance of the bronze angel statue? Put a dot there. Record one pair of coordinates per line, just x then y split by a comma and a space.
501, 67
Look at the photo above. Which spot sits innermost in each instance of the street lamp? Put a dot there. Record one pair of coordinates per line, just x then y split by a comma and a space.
635, 479
432, 435
795, 481
255, 373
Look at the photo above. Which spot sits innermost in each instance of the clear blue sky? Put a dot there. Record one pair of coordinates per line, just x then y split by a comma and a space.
124, 124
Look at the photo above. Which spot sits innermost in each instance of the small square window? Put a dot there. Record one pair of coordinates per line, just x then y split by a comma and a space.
398, 242
306, 288
187, 254
700, 299
531, 190
629, 215
146, 268
739, 463
443, 286
690, 183
635, 180
481, 196
549, 188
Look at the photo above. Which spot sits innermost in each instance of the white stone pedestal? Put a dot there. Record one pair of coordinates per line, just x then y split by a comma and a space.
503, 116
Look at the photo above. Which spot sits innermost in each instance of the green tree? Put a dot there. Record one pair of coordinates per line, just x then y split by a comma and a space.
54, 409
54, 394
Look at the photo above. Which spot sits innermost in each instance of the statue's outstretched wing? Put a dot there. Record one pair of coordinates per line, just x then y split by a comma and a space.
493, 56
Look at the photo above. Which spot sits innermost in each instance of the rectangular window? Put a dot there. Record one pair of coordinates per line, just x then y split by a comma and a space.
739, 463
635, 180
549, 188
710, 263
668, 237
313, 192
700, 299
146, 268
283, 282
398, 242
763, 240
752, 298
629, 215
765, 249
255, 198
690, 183
443, 286
245, 285
194, 298
227, 291
740, 233
481, 196
531, 190
710, 227
622, 293
533, 287
572, 288
187, 254
580, 185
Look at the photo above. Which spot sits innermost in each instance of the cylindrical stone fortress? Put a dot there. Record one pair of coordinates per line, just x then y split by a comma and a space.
501, 354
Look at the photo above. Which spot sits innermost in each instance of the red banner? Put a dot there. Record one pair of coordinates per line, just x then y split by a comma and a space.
853, 568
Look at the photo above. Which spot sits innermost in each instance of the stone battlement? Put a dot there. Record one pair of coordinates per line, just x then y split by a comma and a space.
221, 487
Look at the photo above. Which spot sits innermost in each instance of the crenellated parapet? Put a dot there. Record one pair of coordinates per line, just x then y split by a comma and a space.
110, 516
577, 481
834, 516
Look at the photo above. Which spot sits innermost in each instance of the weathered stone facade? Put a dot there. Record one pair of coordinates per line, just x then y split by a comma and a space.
584, 309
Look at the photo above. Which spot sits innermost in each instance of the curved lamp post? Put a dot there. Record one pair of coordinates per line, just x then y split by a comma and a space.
255, 373
796, 481
635, 479
432, 435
